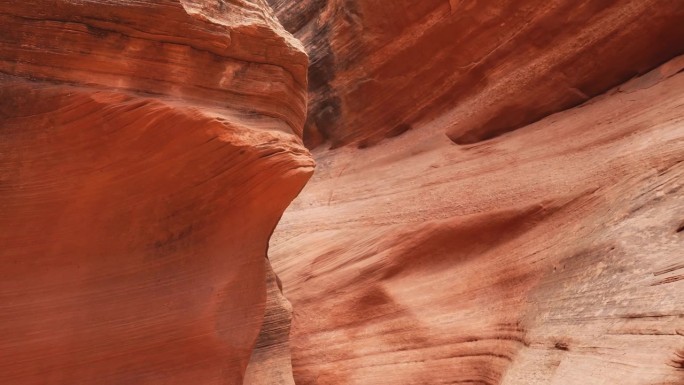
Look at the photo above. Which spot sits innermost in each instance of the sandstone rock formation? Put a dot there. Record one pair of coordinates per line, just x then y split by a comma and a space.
549, 255
381, 67
499, 196
147, 150
271, 362
463, 252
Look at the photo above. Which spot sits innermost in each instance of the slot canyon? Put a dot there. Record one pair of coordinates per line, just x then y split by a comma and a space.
332, 192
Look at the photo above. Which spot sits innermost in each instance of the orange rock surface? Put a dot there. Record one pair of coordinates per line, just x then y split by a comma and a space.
382, 67
549, 255
499, 196
147, 150
507, 204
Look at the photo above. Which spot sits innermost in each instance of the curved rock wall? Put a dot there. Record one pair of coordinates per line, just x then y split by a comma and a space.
520, 223
223, 55
147, 150
382, 67
497, 235
550, 255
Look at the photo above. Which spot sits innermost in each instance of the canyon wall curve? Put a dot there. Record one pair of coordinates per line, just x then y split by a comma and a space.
498, 198
147, 150
498, 195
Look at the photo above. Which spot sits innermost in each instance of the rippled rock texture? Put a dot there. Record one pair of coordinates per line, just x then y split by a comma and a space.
499, 198
549, 255
147, 150
503, 203
382, 67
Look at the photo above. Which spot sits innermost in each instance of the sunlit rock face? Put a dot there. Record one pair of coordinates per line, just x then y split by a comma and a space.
147, 150
499, 196
504, 200
549, 255
382, 67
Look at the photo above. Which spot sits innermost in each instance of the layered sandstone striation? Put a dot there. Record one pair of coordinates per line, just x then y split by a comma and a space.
147, 150
271, 362
381, 67
503, 202
548, 255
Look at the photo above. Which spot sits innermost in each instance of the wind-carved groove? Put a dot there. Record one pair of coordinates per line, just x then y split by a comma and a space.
678, 361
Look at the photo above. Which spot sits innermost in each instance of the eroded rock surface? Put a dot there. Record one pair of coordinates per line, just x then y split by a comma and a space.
503, 200
549, 255
503, 205
382, 67
147, 150
271, 361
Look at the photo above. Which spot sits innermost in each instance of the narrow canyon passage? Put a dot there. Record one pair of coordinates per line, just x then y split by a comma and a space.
333, 192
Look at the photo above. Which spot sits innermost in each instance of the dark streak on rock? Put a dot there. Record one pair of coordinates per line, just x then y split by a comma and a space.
174, 240
325, 110
561, 346
636, 316
398, 130
667, 280
98, 32
678, 361
325, 116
